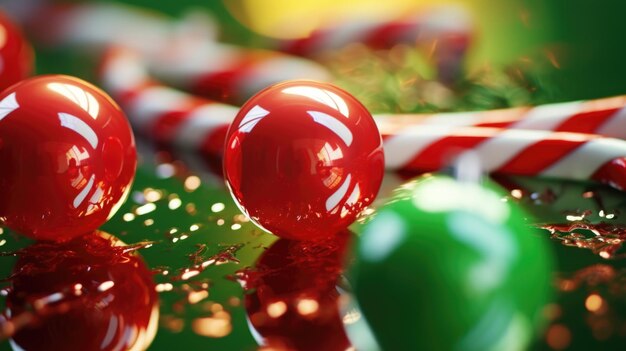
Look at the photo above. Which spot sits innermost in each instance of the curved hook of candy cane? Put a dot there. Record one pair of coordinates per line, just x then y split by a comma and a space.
174, 117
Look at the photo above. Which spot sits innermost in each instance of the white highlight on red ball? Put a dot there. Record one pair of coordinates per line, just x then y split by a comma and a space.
8, 105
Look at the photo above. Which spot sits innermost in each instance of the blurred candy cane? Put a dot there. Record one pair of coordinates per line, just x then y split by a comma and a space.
94, 26
443, 23
161, 113
443, 32
167, 48
184, 54
229, 73
170, 116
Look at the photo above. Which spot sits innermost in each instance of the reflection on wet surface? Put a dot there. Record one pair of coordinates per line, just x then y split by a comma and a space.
291, 297
91, 293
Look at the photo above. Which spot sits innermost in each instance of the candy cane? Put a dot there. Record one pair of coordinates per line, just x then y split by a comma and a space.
164, 114
171, 116
605, 117
233, 74
549, 154
443, 25
185, 55
229, 73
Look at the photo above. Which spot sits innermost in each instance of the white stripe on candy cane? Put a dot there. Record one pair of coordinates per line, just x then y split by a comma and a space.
497, 151
402, 148
615, 127
548, 117
203, 120
587, 159
152, 103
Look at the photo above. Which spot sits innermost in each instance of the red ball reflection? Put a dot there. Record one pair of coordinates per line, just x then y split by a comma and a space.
85, 294
16, 54
303, 159
67, 154
293, 304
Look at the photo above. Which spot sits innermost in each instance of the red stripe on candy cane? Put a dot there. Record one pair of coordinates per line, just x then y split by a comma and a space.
538, 157
439, 153
223, 85
587, 122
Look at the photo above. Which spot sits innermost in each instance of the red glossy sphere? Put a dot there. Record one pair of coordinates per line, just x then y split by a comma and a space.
16, 54
67, 155
303, 159
84, 294
292, 302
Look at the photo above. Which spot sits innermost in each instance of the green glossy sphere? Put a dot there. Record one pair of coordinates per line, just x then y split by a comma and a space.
451, 266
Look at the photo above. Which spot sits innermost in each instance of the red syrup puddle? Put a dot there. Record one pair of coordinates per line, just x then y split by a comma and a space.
226, 255
291, 295
603, 239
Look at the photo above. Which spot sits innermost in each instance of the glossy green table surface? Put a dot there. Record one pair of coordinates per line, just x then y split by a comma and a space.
194, 219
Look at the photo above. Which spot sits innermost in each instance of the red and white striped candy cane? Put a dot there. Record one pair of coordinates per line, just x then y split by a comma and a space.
229, 73
170, 116
549, 154
605, 117
161, 113
186, 56
448, 25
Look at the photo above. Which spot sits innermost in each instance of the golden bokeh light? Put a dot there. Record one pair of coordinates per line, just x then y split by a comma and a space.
594, 303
